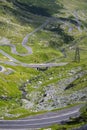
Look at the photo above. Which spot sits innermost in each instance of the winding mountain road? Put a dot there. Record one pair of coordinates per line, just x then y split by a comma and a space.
15, 62
25, 40
43, 120
8, 56
29, 49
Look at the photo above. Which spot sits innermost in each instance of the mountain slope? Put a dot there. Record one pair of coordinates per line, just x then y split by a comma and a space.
38, 31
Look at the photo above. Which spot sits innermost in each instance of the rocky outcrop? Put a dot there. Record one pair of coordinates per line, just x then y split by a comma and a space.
56, 95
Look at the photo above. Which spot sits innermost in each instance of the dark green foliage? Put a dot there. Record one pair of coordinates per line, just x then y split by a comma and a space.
33, 9
64, 36
40, 7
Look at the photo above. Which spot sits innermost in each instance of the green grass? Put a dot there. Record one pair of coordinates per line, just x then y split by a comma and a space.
39, 56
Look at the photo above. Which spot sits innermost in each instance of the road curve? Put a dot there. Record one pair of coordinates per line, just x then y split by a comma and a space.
43, 120
13, 61
8, 56
2, 68
25, 40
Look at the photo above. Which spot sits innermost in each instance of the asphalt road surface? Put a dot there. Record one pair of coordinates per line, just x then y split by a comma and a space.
13, 61
2, 69
41, 121
25, 40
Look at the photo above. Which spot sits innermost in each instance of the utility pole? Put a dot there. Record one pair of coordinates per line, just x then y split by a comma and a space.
77, 55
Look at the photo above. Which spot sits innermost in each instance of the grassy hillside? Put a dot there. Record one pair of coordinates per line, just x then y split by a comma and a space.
56, 42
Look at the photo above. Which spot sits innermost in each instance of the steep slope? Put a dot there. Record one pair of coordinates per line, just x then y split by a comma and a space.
38, 31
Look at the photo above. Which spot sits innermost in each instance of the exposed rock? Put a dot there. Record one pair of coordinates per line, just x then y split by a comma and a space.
12, 115
54, 95
74, 71
70, 86
39, 82
27, 104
